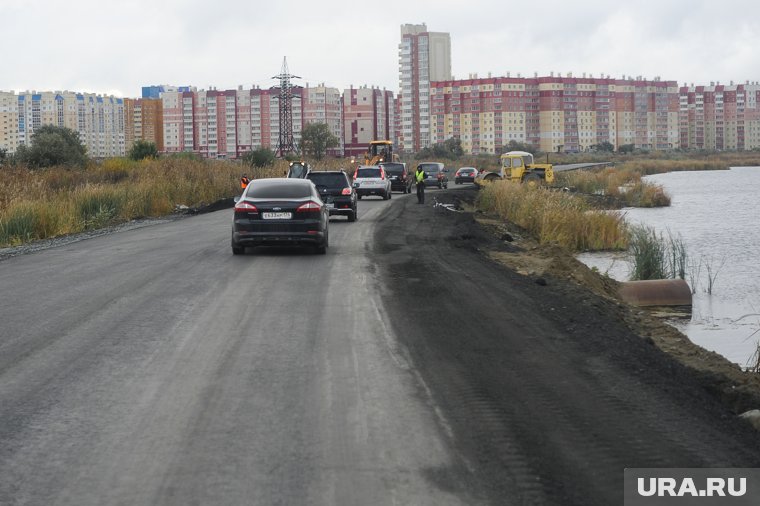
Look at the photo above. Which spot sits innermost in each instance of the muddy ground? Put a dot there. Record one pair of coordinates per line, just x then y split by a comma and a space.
738, 389
549, 385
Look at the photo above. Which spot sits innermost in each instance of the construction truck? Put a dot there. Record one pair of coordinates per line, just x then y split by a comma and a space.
518, 166
378, 152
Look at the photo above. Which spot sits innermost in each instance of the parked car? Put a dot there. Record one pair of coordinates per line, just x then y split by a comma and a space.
436, 174
372, 180
400, 178
465, 175
336, 192
280, 211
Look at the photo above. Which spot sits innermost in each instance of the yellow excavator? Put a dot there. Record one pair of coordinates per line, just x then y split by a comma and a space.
378, 152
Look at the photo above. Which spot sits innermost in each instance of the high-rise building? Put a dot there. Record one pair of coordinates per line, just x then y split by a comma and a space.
724, 117
143, 120
156, 90
8, 122
98, 119
225, 124
322, 104
424, 57
368, 114
557, 114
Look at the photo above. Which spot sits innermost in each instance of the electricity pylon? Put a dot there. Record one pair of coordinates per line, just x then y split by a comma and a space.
285, 142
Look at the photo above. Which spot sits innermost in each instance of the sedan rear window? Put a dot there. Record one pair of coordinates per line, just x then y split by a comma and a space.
429, 167
368, 172
278, 191
328, 180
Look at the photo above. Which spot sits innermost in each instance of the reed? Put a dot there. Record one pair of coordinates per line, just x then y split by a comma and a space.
624, 184
37, 204
655, 256
555, 217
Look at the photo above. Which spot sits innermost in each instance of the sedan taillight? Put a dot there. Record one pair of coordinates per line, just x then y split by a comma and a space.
346, 191
245, 207
309, 207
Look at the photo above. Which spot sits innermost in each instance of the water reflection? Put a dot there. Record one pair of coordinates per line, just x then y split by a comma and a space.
716, 213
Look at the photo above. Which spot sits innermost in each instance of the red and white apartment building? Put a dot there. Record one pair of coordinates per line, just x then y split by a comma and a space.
368, 114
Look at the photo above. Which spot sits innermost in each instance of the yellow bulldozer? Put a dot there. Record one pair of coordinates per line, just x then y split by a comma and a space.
378, 152
518, 166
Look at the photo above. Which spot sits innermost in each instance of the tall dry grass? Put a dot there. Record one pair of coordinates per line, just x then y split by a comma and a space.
555, 217
42, 203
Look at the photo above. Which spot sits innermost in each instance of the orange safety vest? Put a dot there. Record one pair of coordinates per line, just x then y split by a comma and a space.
244, 182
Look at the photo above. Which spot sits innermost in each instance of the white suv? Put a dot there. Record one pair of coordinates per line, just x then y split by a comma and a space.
372, 180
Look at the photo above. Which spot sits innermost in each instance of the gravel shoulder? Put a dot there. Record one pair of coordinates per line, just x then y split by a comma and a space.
551, 385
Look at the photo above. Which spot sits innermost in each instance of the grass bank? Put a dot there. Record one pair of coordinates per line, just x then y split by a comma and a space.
554, 217
43, 203
623, 184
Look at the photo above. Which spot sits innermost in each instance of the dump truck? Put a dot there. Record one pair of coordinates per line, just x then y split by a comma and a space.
518, 166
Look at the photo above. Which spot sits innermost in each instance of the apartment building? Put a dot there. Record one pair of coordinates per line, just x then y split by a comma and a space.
155, 91
720, 116
323, 104
226, 124
368, 114
558, 114
98, 119
424, 57
143, 120
8, 121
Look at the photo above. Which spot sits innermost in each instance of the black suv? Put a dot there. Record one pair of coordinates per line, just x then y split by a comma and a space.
400, 178
336, 191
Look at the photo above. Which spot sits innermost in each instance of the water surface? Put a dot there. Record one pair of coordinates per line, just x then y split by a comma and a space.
717, 214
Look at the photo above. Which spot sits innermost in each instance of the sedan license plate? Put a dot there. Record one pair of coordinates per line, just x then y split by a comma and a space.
276, 216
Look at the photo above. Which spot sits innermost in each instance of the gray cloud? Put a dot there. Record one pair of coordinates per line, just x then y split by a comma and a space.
121, 46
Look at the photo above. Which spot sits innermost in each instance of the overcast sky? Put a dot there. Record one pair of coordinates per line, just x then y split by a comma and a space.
117, 47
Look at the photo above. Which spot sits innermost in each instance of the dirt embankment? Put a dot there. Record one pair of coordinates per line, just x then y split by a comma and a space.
736, 388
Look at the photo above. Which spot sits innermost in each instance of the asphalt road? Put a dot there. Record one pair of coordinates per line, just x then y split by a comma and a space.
152, 366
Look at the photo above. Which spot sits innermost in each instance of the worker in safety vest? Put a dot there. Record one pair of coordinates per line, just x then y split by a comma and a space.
244, 181
419, 178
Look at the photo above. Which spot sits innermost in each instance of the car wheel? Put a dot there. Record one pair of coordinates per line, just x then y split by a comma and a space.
238, 250
322, 248
390, 195
352, 215
440, 186
359, 197
446, 185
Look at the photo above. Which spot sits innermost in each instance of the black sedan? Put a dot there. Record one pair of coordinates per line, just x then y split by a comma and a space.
280, 211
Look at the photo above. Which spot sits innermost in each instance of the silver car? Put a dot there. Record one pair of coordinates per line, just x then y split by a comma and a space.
372, 180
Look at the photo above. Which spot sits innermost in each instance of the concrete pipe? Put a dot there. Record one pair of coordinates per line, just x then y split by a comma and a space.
656, 292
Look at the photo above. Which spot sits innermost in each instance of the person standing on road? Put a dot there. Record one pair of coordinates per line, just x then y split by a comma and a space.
419, 178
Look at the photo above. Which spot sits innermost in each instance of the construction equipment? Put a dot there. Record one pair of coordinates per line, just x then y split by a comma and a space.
298, 169
379, 151
518, 166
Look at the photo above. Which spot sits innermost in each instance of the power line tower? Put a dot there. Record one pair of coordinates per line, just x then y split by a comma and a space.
285, 143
